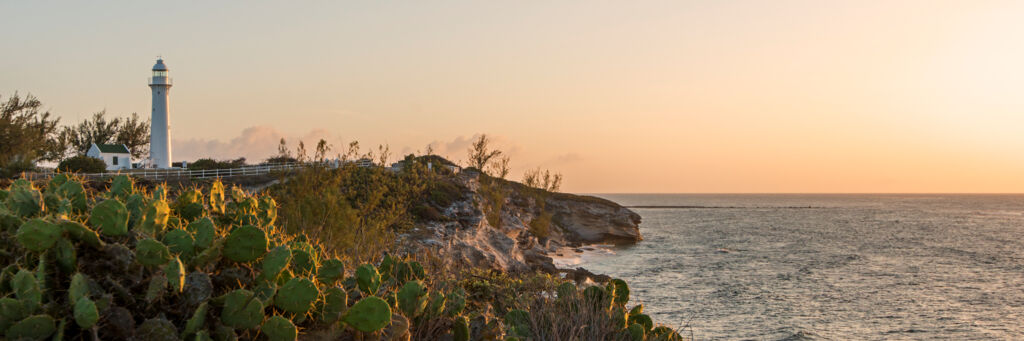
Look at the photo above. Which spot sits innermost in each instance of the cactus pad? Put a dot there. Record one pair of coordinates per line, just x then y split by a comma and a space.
242, 310
275, 262
518, 322
636, 332
26, 289
175, 272
122, 186
331, 271
110, 217
197, 320
368, 279
203, 232
36, 327
303, 262
38, 235
75, 193
157, 329
368, 315
217, 197
412, 298
436, 305
78, 288
198, 288
180, 242
297, 296
245, 244
154, 218
81, 233
24, 201
643, 320
150, 252
65, 254
278, 328
456, 302
566, 290
267, 211
335, 302
86, 313
620, 290
460, 329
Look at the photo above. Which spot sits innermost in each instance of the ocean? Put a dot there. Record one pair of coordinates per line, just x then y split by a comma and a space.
826, 267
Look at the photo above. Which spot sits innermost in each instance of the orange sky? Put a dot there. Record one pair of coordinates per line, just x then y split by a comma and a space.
651, 96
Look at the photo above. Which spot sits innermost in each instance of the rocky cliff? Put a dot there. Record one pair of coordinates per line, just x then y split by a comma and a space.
507, 226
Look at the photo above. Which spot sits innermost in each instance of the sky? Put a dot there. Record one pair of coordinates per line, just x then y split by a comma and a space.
618, 96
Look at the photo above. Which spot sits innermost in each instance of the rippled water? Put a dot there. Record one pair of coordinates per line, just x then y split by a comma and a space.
841, 267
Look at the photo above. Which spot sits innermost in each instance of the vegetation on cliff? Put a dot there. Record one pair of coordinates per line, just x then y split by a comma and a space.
126, 262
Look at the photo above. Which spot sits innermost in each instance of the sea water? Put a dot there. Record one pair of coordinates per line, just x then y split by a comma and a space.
842, 267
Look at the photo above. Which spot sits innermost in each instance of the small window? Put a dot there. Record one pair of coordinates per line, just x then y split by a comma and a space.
159, 73
115, 161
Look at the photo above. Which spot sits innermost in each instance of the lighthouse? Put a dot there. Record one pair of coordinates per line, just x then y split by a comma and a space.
160, 128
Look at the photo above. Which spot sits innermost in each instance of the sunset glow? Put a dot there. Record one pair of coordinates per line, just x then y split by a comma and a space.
655, 96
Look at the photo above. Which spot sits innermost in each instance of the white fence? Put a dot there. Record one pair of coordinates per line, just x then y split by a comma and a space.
159, 174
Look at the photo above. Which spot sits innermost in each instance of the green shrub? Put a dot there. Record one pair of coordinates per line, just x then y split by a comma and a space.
82, 164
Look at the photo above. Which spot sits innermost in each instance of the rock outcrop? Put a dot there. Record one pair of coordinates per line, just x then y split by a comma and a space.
507, 241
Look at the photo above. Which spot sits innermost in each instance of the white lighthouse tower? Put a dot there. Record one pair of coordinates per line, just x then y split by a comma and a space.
160, 129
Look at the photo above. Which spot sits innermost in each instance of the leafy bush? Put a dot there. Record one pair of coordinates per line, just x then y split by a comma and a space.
82, 164
204, 164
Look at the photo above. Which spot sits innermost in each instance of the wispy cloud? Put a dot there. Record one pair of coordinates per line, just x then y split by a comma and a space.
254, 143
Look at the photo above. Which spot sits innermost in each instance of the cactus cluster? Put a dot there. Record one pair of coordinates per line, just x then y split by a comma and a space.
206, 266
211, 265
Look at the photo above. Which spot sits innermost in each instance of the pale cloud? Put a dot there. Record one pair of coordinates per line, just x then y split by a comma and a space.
255, 144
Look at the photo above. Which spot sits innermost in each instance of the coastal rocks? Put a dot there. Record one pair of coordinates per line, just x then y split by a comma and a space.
467, 236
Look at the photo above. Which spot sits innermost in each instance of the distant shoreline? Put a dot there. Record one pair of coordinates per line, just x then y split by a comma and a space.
698, 206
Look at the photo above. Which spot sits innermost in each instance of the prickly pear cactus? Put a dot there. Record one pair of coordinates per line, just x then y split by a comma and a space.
157, 329
368, 315
242, 310
36, 327
566, 290
122, 186
335, 303
74, 192
456, 302
620, 291
436, 305
636, 332
23, 200
331, 271
643, 320
38, 235
276, 261
245, 244
154, 218
197, 320
86, 313
518, 322
78, 288
368, 279
460, 329
26, 288
79, 232
110, 217
180, 242
278, 328
217, 197
175, 272
203, 231
412, 298
150, 252
267, 211
297, 296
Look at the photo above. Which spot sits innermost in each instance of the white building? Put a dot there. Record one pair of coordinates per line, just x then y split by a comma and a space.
160, 129
116, 156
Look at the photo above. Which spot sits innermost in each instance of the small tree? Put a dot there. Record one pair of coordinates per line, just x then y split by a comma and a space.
130, 131
501, 168
27, 135
82, 164
480, 153
545, 180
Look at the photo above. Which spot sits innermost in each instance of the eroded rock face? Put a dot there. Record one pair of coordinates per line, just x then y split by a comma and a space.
468, 237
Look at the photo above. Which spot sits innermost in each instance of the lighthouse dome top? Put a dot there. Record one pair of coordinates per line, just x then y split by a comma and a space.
160, 65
